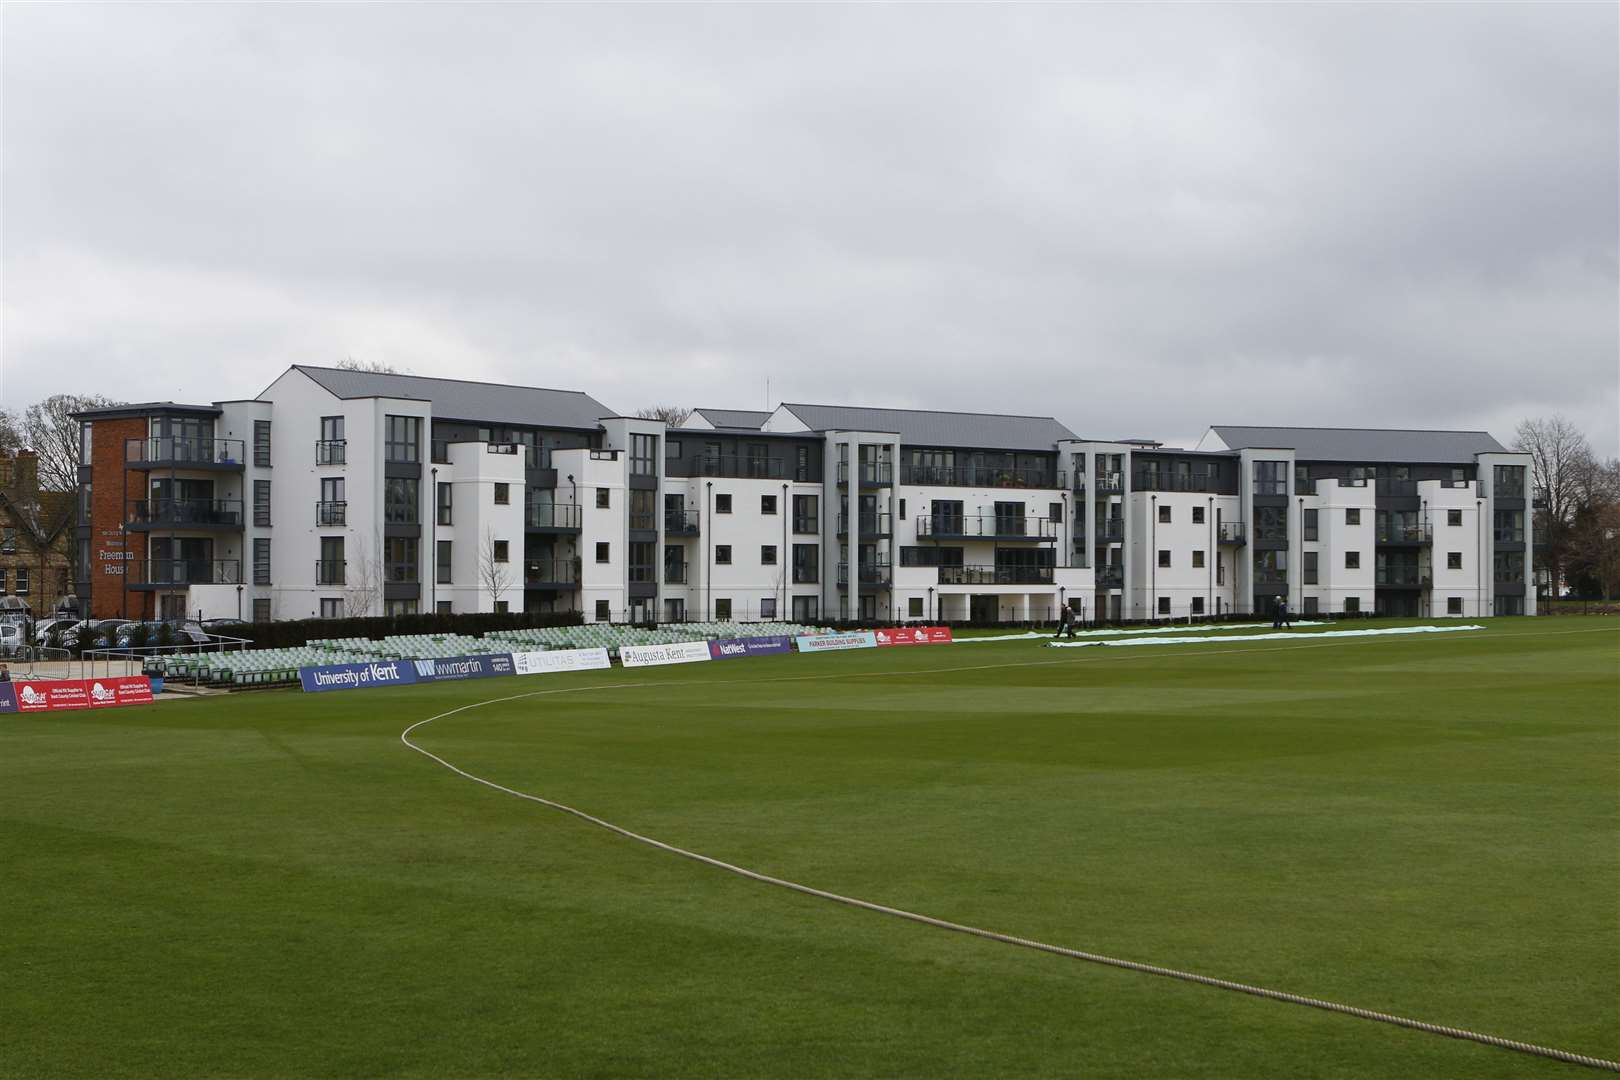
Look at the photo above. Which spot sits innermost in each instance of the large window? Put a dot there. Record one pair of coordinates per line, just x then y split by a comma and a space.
331, 570
1509, 482
400, 496
261, 503
805, 514
443, 563
261, 561
643, 455
1308, 568
1271, 478
1308, 524
806, 564
445, 496
399, 559
1271, 523
402, 440
1509, 525
261, 443
330, 448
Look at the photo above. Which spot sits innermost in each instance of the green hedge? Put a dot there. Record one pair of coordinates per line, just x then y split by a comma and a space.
282, 635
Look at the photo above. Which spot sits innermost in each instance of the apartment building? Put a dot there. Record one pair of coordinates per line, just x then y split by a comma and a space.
338, 492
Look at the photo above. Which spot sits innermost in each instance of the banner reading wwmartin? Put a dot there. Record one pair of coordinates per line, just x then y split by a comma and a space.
679, 652
454, 668
553, 660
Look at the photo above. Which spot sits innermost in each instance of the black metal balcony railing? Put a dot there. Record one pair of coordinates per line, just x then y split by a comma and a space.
1111, 531
331, 512
987, 526
331, 571
675, 573
871, 473
1231, 532
186, 512
551, 516
400, 573
738, 465
401, 514
1510, 535
1159, 481
806, 525
179, 451
1401, 575
331, 451
681, 523
872, 524
987, 476
1109, 483
1421, 532
550, 572
1110, 577
1392, 486
186, 572
873, 573
995, 575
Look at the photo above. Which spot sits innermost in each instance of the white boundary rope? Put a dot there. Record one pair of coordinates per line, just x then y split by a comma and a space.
1463, 1034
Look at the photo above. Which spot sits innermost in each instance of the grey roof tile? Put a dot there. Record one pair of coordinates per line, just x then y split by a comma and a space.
990, 431
1363, 444
735, 418
458, 399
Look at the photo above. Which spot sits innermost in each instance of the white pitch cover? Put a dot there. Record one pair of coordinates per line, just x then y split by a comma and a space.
545, 663
679, 652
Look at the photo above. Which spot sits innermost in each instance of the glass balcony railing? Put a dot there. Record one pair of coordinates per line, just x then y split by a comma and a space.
874, 573
1230, 532
675, 573
806, 575
331, 571
984, 476
744, 466
179, 452
550, 572
186, 572
1158, 481
877, 524
551, 516
1109, 483
331, 513
1418, 532
996, 575
1110, 577
187, 513
871, 473
987, 526
332, 452
401, 573
681, 523
1401, 575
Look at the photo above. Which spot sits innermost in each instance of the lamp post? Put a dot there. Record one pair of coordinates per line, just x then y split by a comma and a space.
239, 603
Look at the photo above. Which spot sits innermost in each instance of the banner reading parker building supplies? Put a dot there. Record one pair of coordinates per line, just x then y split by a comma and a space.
859, 639
679, 652
554, 660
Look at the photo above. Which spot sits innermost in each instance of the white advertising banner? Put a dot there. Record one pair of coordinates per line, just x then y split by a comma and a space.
860, 639
545, 663
679, 652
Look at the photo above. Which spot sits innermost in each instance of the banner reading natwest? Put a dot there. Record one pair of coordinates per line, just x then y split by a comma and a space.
914, 635
735, 648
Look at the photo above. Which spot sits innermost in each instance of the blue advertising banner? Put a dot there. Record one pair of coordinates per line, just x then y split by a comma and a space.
448, 669
356, 676
8, 698
732, 648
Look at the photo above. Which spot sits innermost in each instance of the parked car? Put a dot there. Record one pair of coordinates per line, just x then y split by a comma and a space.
12, 639
101, 627
180, 633
43, 628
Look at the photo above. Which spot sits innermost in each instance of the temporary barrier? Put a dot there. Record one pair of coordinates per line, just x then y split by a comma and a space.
356, 676
915, 635
859, 639
677, 652
552, 660
52, 695
735, 648
456, 668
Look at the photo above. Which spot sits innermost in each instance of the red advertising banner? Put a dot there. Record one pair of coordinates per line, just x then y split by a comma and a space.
914, 635
54, 695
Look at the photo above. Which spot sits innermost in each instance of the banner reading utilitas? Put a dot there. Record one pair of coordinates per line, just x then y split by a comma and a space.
914, 635
735, 648
555, 660
679, 652
859, 639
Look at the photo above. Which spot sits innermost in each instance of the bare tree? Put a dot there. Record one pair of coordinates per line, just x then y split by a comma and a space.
673, 415
494, 574
1594, 547
362, 580
51, 432
349, 363
11, 433
1560, 464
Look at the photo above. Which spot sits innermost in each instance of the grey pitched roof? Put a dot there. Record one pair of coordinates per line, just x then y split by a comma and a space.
735, 418
989, 431
1363, 444
457, 399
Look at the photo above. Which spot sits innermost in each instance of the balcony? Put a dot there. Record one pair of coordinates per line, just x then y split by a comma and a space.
872, 473
987, 527
996, 575
331, 513
180, 573
1155, 481
1111, 531
1265, 575
176, 452
1421, 532
740, 466
1231, 534
550, 573
331, 571
147, 514
400, 573
981, 476
642, 574
1109, 483
1390, 486
1401, 577
873, 573
551, 518
675, 573
1110, 577
331, 451
641, 520
681, 523
875, 525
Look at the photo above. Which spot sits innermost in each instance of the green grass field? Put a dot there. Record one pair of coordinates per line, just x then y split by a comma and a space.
273, 885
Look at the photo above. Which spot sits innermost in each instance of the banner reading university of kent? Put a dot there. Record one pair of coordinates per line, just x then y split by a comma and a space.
356, 676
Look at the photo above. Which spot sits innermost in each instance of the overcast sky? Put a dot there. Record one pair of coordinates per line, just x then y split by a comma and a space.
1141, 220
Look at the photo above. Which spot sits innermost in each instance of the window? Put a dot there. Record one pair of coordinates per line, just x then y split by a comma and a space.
1312, 607
603, 499
603, 612
3, 573
722, 610
722, 504
1198, 560
443, 563
722, 554
399, 607
767, 607
402, 438
261, 561
261, 503
261, 611
767, 504
806, 608
1454, 605
1453, 517
330, 570
444, 607
672, 449
261, 443
1352, 516
1352, 560
1309, 567
1164, 605
603, 552
446, 504
643, 455
330, 449
331, 607
914, 607
400, 561
503, 494
1164, 515
1271, 478
805, 512
1454, 560
902, 509
1509, 525
1352, 604
1054, 511
399, 501
22, 581
1198, 515
1308, 524
1197, 604
806, 564
8, 541
1271, 523
767, 555
1164, 559
1509, 482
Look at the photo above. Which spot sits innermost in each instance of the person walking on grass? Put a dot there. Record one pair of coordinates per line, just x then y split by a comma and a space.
1279, 612
1065, 623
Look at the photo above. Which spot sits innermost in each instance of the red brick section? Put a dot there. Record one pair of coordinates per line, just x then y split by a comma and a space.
111, 549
